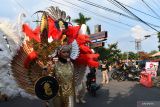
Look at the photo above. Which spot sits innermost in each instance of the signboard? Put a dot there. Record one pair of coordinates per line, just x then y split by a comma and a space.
151, 68
97, 44
98, 35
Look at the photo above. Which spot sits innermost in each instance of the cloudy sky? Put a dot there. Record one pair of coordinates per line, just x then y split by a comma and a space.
120, 28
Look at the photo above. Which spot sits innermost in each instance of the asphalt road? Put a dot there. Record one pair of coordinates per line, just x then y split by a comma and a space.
123, 94
114, 94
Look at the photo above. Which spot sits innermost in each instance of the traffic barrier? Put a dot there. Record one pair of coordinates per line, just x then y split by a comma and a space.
146, 79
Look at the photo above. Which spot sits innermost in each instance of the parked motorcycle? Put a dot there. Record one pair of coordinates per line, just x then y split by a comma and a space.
91, 84
118, 75
129, 73
133, 74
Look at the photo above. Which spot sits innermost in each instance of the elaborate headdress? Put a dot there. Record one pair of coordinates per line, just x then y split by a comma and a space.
53, 33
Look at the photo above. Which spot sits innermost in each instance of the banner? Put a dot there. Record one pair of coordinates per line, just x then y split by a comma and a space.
151, 68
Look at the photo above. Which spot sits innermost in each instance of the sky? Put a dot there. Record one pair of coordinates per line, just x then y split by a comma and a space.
125, 34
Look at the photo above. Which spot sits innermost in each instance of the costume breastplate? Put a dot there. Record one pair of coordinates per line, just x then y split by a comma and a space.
64, 75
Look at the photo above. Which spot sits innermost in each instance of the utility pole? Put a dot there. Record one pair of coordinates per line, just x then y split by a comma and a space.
127, 57
138, 44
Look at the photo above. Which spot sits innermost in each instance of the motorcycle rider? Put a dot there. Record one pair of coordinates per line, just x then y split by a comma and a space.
91, 84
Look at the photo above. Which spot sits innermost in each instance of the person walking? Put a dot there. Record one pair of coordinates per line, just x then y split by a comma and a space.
104, 70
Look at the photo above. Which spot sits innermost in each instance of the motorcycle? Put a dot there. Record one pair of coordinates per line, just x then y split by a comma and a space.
91, 84
129, 73
118, 75
133, 74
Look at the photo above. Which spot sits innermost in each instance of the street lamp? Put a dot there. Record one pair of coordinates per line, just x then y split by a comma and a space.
138, 42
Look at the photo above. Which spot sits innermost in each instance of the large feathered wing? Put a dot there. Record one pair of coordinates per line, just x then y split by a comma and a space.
26, 78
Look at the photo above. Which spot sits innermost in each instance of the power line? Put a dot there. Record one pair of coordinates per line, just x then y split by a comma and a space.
124, 9
107, 17
20, 6
156, 4
150, 8
140, 11
86, 10
104, 8
121, 6
128, 11
98, 14
60, 3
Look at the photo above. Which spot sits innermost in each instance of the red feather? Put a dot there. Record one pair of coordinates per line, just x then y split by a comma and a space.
53, 31
72, 33
85, 49
83, 39
86, 57
93, 63
32, 34
33, 55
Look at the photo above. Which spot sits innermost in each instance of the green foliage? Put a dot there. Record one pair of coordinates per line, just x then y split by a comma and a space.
82, 20
132, 55
129, 55
88, 30
159, 35
153, 52
111, 53
124, 55
102, 51
159, 47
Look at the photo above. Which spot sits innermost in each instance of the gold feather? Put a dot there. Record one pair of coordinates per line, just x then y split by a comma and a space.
25, 78
44, 23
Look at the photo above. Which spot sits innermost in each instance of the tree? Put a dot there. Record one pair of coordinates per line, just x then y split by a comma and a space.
153, 52
111, 53
132, 55
82, 20
124, 56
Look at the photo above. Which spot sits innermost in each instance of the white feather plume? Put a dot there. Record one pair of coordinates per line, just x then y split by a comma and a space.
83, 29
14, 36
75, 50
7, 82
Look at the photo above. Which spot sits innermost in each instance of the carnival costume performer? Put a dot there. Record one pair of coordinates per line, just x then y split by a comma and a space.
37, 58
64, 72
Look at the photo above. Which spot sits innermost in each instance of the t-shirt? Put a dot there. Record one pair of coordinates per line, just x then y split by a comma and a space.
104, 67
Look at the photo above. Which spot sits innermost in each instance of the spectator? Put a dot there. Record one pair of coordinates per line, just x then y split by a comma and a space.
104, 70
